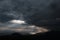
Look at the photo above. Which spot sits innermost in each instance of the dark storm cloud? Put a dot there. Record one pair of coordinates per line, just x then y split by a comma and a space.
38, 12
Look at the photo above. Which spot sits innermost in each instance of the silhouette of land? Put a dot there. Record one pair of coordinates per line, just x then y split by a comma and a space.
45, 36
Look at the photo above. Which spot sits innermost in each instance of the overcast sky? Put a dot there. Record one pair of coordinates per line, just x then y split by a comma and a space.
37, 12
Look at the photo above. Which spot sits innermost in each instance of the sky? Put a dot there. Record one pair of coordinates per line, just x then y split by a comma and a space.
36, 12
